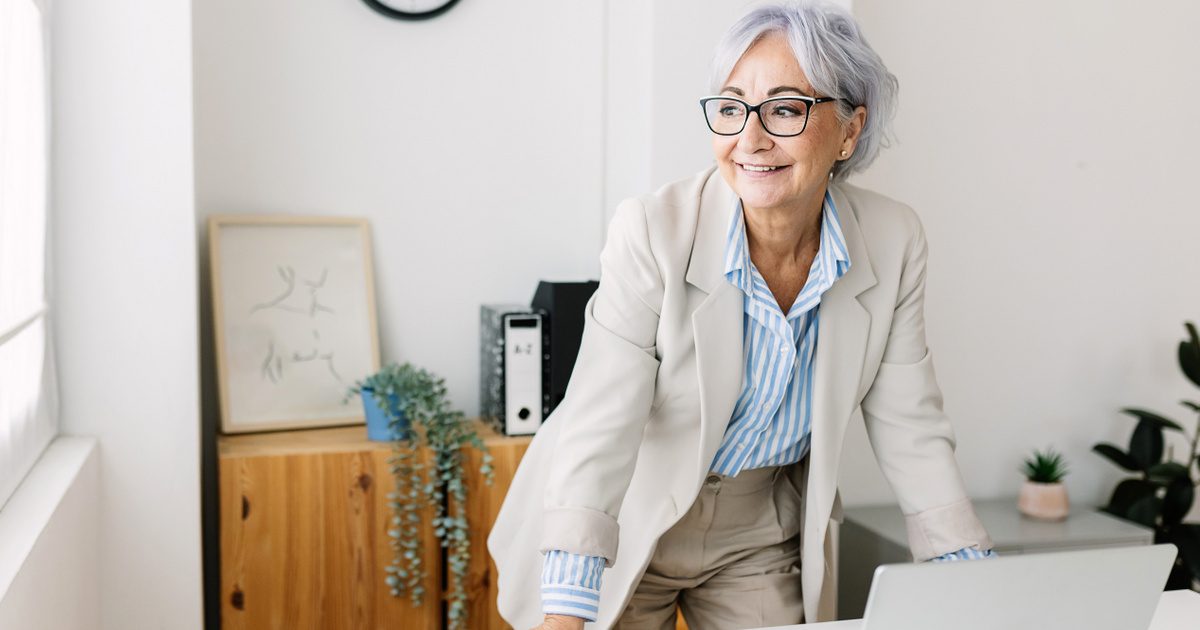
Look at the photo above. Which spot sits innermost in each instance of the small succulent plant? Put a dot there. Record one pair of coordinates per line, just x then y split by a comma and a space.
1045, 467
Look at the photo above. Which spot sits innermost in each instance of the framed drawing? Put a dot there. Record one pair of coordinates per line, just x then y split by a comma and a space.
294, 319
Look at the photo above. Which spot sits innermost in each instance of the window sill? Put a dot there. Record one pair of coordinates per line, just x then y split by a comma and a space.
33, 505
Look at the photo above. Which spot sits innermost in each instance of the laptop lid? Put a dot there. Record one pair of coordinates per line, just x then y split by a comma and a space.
1097, 589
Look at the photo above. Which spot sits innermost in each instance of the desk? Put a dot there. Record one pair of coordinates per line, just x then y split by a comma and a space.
871, 536
1177, 610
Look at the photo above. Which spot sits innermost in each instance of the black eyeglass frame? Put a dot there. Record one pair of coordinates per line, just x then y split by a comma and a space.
809, 103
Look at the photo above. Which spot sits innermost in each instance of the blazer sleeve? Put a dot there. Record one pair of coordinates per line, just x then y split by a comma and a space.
608, 399
909, 431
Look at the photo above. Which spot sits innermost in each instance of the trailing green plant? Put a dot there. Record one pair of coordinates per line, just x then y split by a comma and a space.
1163, 492
423, 417
1045, 467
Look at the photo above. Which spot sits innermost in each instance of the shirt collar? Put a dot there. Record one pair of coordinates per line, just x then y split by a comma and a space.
832, 250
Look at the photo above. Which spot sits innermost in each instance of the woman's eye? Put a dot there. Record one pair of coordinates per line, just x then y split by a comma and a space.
785, 111
731, 111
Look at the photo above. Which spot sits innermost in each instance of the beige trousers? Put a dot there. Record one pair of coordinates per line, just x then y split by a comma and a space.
733, 561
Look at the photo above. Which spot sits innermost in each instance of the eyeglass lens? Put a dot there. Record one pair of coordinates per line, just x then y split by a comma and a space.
783, 116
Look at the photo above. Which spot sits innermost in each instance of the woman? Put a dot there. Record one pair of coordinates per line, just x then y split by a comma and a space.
743, 316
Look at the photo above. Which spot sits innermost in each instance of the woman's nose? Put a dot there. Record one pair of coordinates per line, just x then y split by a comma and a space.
754, 137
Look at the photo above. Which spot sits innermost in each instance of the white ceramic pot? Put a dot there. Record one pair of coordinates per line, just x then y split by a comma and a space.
1044, 501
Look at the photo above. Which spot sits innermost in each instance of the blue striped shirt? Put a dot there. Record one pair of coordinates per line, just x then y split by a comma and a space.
772, 419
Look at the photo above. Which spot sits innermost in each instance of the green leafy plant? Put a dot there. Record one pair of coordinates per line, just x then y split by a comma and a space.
422, 417
1163, 492
1045, 467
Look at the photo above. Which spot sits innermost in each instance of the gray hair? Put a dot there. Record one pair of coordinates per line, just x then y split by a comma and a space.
835, 57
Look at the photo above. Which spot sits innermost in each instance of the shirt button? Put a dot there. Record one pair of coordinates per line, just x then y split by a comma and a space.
782, 349
739, 446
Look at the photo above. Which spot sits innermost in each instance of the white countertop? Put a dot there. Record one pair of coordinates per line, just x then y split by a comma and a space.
1009, 531
1177, 610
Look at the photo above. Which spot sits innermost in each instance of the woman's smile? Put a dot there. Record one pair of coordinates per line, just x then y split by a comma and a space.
762, 171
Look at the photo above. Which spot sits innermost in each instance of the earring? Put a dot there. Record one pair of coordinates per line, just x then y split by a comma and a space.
843, 153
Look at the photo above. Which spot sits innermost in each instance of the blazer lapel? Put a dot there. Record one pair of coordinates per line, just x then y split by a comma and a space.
717, 322
841, 350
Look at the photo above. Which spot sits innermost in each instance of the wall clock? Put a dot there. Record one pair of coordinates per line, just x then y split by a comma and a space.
411, 9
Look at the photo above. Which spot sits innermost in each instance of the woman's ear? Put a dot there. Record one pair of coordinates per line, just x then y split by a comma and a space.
854, 128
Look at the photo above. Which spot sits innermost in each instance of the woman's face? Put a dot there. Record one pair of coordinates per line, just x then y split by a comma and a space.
770, 69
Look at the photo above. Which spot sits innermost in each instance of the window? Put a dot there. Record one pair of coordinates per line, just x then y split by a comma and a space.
27, 422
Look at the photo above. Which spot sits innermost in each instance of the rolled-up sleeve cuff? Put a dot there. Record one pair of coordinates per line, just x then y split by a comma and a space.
571, 601
939, 531
581, 531
970, 553
571, 584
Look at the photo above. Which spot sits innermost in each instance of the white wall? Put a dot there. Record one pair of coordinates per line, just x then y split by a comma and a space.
336, 110
1049, 148
472, 143
124, 290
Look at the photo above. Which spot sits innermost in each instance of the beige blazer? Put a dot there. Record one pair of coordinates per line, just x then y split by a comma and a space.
623, 456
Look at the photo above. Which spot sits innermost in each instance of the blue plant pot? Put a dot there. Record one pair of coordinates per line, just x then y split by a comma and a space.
378, 428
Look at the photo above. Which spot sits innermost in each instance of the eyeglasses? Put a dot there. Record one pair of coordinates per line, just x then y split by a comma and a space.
782, 116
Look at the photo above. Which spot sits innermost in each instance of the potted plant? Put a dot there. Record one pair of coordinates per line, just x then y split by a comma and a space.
1163, 491
1043, 495
419, 415
386, 420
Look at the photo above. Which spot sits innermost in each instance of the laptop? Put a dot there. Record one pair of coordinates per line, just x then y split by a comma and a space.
1097, 589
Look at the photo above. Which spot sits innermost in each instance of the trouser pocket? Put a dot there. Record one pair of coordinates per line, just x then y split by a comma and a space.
789, 506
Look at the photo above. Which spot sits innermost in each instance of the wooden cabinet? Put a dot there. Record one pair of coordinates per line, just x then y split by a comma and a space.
483, 504
304, 541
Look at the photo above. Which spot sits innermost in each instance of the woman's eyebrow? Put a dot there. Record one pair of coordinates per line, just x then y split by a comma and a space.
771, 92
785, 88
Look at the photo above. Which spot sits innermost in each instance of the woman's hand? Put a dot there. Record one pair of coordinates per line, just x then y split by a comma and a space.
561, 622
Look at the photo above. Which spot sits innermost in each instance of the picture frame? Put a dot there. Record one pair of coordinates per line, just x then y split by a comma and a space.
294, 320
